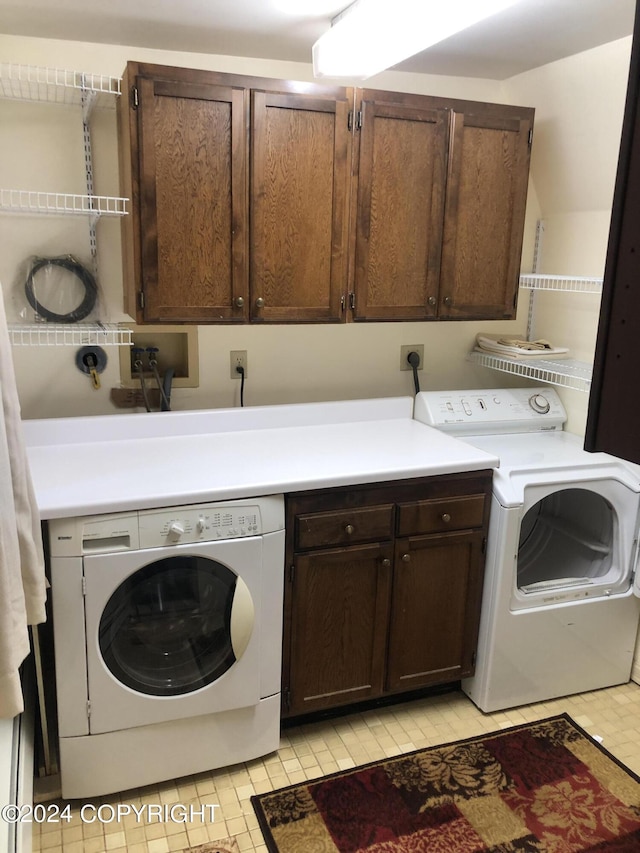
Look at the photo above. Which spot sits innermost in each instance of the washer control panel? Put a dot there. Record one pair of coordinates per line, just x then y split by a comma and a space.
493, 410
202, 523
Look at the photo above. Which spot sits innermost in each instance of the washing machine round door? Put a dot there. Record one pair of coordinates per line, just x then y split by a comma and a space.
176, 625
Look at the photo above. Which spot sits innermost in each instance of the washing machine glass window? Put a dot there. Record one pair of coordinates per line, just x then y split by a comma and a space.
167, 629
566, 539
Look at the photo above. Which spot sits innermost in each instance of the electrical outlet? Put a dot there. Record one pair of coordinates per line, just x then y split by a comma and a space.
237, 358
404, 352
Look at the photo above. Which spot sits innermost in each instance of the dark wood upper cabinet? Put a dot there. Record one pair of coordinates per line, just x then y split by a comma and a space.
300, 173
486, 195
262, 201
186, 245
399, 214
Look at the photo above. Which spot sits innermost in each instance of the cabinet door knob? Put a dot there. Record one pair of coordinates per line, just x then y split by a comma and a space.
239, 302
431, 301
349, 529
386, 562
446, 516
259, 302
447, 300
406, 558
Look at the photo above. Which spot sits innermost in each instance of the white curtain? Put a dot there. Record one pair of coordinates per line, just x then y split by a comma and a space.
22, 576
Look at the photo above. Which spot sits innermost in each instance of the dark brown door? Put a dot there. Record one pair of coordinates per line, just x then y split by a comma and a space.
435, 609
340, 613
400, 204
484, 215
613, 422
301, 150
193, 201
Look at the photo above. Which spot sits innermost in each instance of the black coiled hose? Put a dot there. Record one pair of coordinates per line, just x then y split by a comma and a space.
71, 265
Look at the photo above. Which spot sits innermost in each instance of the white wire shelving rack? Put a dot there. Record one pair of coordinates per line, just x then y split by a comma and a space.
85, 91
63, 335
33, 202
560, 283
59, 86
564, 372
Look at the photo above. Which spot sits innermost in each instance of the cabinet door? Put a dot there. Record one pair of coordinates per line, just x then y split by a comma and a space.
437, 587
400, 204
192, 201
484, 215
301, 150
340, 610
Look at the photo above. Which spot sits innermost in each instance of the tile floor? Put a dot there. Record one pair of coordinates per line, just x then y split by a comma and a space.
313, 750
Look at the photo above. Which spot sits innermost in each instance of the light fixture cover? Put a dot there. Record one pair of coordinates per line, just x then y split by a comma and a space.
371, 35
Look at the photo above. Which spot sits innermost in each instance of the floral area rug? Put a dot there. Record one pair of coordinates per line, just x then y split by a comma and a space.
545, 786
224, 845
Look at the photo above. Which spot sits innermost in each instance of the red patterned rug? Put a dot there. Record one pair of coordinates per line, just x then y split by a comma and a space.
545, 786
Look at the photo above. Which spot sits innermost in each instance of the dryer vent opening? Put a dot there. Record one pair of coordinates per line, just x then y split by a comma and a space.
566, 539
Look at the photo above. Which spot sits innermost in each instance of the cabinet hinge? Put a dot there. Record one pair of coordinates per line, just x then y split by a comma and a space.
292, 571
530, 139
473, 658
484, 546
286, 699
135, 99
141, 299
352, 300
84, 587
88, 709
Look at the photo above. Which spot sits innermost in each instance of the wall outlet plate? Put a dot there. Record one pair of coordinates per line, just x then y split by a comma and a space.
238, 358
404, 352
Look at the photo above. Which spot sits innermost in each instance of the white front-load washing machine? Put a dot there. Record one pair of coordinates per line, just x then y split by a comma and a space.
168, 635
560, 609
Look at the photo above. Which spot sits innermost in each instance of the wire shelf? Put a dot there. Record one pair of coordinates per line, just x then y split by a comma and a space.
60, 335
61, 204
57, 85
561, 283
565, 372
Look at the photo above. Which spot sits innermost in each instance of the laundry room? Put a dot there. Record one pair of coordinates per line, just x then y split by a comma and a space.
282, 408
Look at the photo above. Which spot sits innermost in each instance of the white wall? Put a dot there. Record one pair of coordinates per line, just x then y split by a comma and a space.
578, 117
579, 110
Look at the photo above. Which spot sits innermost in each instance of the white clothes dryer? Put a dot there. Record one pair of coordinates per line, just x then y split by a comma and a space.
560, 606
168, 635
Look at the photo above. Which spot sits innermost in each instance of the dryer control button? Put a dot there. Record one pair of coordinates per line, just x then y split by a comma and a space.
539, 404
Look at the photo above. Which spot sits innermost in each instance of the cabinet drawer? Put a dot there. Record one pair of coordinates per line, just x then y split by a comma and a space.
441, 515
344, 527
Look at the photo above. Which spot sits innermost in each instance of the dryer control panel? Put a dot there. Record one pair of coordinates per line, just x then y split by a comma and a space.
492, 411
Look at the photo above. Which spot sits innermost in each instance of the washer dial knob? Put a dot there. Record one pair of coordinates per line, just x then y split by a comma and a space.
176, 529
539, 404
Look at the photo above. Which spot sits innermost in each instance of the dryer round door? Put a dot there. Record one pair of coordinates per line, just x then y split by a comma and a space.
176, 625
173, 632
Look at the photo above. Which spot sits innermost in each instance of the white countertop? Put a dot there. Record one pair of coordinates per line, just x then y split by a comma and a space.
91, 465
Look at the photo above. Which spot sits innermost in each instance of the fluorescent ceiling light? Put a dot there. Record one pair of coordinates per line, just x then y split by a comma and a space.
371, 35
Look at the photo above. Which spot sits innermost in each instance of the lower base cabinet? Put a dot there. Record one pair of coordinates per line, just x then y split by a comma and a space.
383, 588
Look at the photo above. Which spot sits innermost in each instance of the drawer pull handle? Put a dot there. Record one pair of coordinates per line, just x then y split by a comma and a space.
349, 529
260, 302
386, 562
406, 558
239, 302
446, 517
